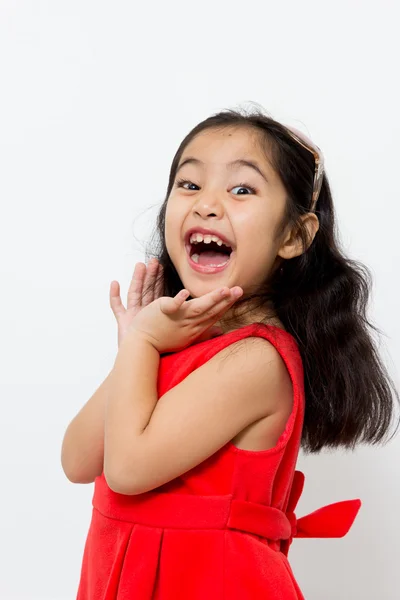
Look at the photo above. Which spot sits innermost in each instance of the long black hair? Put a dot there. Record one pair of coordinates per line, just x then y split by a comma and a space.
320, 297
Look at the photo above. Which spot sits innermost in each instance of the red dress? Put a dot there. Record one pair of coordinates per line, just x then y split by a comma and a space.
223, 529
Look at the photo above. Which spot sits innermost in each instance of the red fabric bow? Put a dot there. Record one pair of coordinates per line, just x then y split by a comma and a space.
331, 521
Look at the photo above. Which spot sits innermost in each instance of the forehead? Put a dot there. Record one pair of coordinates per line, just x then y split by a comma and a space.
220, 146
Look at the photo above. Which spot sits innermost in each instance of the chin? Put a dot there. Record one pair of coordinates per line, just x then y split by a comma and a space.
199, 284
198, 289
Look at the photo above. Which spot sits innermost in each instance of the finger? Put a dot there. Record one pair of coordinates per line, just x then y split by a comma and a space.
213, 314
213, 301
159, 286
171, 305
136, 286
115, 300
216, 313
149, 282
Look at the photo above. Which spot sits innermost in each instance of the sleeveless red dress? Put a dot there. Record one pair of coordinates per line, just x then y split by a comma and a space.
221, 530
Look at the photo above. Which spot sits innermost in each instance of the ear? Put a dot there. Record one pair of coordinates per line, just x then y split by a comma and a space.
292, 243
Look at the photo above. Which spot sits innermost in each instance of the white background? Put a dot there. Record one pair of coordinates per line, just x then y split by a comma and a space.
95, 98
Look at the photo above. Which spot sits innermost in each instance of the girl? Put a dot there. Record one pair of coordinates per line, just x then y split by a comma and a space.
246, 339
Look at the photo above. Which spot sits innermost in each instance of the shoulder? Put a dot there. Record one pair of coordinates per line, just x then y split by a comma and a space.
252, 351
249, 365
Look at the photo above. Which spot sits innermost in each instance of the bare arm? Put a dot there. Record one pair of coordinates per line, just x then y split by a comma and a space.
148, 443
82, 451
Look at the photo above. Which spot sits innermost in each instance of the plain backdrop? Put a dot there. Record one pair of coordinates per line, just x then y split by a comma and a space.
95, 98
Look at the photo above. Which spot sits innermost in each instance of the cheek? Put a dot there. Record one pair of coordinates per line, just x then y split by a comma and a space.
256, 243
172, 226
255, 231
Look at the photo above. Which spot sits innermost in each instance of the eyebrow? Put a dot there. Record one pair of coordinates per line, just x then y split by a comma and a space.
240, 162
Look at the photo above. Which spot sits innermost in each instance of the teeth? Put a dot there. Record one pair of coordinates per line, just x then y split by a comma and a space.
196, 238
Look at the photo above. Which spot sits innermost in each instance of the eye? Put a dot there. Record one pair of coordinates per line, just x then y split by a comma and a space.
244, 186
181, 182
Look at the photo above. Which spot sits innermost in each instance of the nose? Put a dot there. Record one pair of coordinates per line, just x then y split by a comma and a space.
208, 206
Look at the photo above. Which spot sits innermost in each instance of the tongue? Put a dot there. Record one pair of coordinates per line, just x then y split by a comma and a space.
212, 258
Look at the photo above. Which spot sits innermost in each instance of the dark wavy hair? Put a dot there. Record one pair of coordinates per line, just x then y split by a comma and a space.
320, 297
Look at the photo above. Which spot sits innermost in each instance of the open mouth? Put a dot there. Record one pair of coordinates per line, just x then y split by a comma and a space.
209, 255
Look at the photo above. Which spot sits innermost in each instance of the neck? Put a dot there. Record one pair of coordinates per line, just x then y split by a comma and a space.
243, 315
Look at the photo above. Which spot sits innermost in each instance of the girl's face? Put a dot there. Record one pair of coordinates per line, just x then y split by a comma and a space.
217, 198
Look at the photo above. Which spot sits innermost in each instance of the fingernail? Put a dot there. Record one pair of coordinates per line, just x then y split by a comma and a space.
237, 292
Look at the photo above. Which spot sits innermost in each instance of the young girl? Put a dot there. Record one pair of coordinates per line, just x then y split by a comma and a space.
245, 339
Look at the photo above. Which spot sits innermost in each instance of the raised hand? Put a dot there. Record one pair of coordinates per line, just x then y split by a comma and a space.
145, 287
171, 324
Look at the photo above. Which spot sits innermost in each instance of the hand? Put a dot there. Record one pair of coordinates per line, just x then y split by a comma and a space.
145, 287
171, 324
